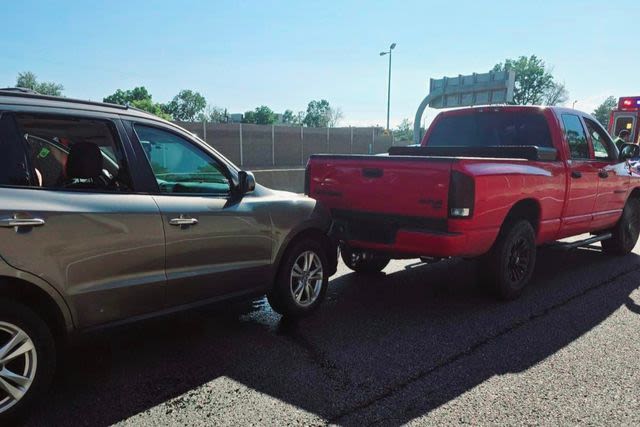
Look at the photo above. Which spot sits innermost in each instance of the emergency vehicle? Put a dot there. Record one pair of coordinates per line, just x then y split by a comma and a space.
626, 116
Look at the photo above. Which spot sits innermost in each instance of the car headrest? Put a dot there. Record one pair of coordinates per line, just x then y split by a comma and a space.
84, 161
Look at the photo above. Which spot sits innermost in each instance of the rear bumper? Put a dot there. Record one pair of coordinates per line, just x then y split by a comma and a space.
410, 243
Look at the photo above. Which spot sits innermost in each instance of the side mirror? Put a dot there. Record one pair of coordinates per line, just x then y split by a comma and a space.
629, 151
246, 182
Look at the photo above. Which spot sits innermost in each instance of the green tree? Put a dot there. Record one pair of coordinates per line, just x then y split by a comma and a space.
28, 80
533, 80
262, 115
265, 115
186, 105
404, 131
126, 97
318, 114
138, 97
334, 117
249, 117
288, 117
557, 94
213, 114
603, 111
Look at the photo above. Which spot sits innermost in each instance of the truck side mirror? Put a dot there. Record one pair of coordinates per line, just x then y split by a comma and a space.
629, 151
246, 182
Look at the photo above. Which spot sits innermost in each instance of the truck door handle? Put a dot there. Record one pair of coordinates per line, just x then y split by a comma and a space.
21, 222
183, 221
372, 173
576, 174
603, 174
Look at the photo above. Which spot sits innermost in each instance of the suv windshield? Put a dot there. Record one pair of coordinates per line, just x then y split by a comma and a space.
484, 129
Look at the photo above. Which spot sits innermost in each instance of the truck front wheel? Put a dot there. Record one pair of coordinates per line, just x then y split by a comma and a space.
625, 233
363, 262
511, 261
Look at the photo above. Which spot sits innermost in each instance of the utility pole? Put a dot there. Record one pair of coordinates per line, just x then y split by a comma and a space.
393, 46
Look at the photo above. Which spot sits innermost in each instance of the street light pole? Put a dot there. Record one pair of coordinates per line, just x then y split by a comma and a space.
393, 45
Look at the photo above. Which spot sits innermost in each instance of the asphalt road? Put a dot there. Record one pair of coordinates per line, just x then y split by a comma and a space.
419, 344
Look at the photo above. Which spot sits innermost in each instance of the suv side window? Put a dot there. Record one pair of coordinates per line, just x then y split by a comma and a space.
576, 137
179, 166
73, 153
14, 164
602, 144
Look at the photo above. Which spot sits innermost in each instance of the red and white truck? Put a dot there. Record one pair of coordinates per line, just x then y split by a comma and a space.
491, 182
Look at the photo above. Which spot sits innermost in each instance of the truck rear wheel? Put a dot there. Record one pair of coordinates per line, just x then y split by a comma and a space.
512, 259
362, 262
625, 233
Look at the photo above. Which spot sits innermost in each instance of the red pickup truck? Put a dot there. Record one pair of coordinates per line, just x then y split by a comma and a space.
490, 182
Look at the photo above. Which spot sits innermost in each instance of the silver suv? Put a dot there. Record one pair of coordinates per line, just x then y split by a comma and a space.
109, 215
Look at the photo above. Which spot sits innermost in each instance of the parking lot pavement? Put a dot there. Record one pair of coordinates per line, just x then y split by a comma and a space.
421, 344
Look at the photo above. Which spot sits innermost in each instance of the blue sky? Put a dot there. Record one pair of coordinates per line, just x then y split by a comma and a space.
284, 53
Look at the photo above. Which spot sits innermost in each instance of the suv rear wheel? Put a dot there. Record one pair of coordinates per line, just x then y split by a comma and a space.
27, 359
511, 261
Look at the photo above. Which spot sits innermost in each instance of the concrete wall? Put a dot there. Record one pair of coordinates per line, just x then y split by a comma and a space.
281, 179
264, 146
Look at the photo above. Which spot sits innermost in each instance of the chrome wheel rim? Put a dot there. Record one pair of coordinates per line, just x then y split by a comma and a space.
18, 364
307, 277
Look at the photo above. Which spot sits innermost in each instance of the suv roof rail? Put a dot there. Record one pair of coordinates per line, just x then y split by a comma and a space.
19, 90
28, 93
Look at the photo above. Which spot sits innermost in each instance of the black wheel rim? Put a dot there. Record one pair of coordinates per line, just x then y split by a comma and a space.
519, 257
631, 230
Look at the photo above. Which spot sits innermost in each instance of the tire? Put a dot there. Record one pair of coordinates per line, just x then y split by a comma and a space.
625, 233
356, 262
37, 364
510, 263
302, 279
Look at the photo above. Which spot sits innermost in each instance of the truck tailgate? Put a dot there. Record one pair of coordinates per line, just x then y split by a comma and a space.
392, 185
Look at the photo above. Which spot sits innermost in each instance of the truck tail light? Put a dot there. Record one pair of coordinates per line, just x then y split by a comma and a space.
307, 180
462, 194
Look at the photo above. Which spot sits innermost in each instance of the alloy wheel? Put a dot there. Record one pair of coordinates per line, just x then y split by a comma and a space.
18, 365
307, 276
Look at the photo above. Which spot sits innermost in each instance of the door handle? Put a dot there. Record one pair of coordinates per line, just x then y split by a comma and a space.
372, 173
576, 174
21, 222
603, 174
183, 221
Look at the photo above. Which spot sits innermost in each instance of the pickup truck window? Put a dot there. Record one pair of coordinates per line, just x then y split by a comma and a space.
602, 144
179, 166
490, 128
576, 137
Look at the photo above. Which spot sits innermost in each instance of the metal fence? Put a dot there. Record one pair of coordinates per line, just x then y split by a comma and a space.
264, 146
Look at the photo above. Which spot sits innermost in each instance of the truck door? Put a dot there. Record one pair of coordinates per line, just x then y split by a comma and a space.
613, 178
582, 185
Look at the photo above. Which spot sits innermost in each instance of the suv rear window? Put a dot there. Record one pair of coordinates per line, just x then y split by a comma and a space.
491, 128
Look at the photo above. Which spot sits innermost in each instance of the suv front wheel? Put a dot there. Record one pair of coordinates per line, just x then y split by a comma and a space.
302, 279
27, 359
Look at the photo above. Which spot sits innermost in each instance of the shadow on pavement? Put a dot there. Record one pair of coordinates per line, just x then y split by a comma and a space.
374, 338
